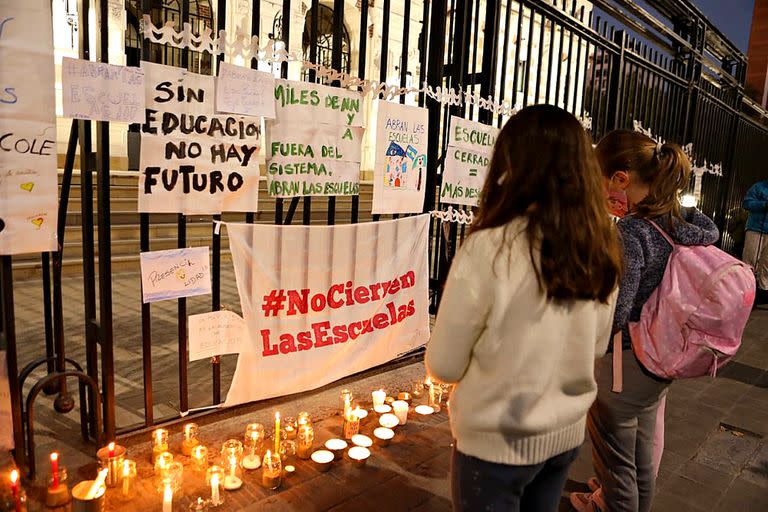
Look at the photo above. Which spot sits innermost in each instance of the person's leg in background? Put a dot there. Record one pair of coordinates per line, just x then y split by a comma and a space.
658, 437
645, 454
751, 247
543, 493
485, 486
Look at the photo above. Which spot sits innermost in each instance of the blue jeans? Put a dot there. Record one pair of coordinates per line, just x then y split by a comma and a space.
480, 486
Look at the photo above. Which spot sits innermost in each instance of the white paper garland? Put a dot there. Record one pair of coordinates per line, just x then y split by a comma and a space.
453, 215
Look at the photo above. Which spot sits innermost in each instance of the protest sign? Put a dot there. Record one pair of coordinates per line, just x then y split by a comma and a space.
193, 161
175, 273
314, 143
102, 92
245, 91
400, 168
470, 146
324, 302
28, 180
215, 333
6, 415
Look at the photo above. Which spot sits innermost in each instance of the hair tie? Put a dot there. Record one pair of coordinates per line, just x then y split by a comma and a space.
659, 145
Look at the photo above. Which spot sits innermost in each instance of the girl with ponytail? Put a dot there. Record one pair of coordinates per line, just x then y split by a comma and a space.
651, 176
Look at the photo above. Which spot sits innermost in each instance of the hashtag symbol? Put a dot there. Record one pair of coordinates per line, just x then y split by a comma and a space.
273, 302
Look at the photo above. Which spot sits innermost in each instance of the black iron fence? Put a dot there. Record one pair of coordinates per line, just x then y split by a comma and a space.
608, 61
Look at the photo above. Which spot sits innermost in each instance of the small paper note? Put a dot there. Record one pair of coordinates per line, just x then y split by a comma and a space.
245, 91
216, 333
175, 273
102, 92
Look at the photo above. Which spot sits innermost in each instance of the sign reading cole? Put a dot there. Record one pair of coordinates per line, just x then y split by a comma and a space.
193, 161
324, 302
28, 181
314, 144
470, 146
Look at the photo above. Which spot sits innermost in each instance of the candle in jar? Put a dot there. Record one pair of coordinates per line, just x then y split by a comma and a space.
215, 474
190, 439
200, 457
400, 408
345, 400
277, 432
111, 450
289, 427
271, 470
378, 397
351, 424
162, 463
159, 443
128, 475
304, 419
305, 439
404, 396
15, 489
168, 498
55, 470
231, 480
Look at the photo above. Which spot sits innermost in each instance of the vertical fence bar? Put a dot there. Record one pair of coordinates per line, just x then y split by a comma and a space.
47, 318
490, 50
336, 63
362, 73
255, 31
315, 15
404, 54
106, 335
8, 342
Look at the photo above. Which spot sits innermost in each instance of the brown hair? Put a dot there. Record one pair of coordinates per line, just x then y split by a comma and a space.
544, 169
665, 169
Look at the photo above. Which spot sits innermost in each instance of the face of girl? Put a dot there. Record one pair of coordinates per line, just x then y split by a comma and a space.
629, 184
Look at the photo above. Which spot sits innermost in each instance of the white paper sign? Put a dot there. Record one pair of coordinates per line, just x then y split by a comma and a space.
324, 302
400, 168
314, 145
245, 91
28, 180
215, 333
6, 415
102, 92
193, 161
470, 146
175, 273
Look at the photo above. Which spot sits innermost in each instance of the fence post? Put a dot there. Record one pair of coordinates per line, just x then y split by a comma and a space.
616, 83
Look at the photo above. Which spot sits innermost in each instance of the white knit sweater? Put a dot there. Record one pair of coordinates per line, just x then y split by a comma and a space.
522, 365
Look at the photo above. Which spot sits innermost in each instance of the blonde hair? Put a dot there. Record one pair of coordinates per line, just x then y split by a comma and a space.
664, 168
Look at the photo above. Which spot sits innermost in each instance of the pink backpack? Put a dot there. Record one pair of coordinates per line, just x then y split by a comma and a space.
692, 323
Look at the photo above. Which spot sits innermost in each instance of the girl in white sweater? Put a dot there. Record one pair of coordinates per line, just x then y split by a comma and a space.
527, 308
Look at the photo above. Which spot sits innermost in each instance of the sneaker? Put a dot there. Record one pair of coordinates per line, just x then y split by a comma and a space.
593, 484
588, 502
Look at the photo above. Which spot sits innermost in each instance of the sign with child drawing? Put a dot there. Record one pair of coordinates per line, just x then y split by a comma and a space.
400, 167
470, 146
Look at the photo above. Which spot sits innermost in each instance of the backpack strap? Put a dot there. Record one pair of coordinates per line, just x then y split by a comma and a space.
663, 233
618, 375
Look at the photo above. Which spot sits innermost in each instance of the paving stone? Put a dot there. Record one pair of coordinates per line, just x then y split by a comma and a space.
727, 453
743, 496
756, 471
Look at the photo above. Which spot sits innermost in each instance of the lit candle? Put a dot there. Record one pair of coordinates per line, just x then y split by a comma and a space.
111, 449
361, 440
214, 476
162, 463
97, 485
306, 437
128, 474
304, 419
383, 435
200, 456
359, 455
404, 396
231, 480
427, 381
271, 470
159, 443
400, 408
322, 460
336, 445
190, 439
277, 432
15, 489
215, 497
55, 469
378, 397
168, 498
345, 399
389, 420
351, 424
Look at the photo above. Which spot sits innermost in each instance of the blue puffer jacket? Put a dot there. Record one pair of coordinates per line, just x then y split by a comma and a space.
756, 203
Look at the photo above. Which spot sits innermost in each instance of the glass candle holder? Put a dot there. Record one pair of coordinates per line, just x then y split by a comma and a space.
289, 427
200, 458
190, 439
417, 388
162, 462
253, 445
351, 424
305, 440
345, 400
111, 457
214, 478
233, 473
304, 419
159, 443
378, 397
172, 477
400, 408
435, 396
271, 471
232, 448
57, 492
127, 480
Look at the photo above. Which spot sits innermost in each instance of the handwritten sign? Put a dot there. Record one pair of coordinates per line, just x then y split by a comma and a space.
215, 333
102, 92
400, 168
314, 144
193, 161
470, 146
245, 91
175, 273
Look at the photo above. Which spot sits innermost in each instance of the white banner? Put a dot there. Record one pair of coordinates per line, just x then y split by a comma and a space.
324, 302
400, 168
314, 145
28, 181
470, 146
102, 92
193, 161
245, 91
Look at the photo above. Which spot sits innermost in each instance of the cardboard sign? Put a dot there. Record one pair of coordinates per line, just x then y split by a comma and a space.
193, 161
400, 168
175, 273
215, 333
314, 145
470, 146
28, 180
245, 91
324, 302
102, 92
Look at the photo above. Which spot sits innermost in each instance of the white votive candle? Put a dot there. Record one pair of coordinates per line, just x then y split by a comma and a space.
336, 445
359, 455
383, 435
378, 397
389, 421
401, 410
382, 409
361, 440
424, 410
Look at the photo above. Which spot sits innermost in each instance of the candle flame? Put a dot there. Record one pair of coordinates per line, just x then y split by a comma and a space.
54, 456
111, 446
277, 416
187, 430
14, 476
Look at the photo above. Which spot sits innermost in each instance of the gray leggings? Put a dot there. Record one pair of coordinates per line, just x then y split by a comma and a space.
621, 427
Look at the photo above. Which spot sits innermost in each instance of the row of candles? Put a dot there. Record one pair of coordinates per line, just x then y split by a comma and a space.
293, 436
